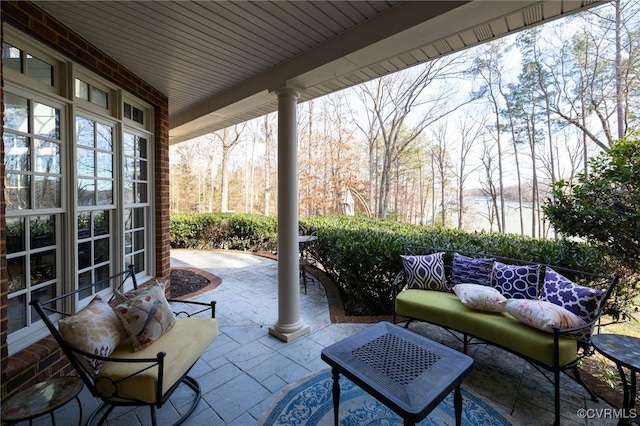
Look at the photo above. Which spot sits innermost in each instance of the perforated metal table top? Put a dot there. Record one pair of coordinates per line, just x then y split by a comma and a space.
407, 372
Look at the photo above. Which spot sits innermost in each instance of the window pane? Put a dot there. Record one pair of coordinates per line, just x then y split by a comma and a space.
47, 157
11, 57
42, 231
128, 243
84, 255
138, 243
85, 132
128, 219
129, 146
84, 225
102, 273
46, 120
17, 308
39, 70
104, 165
139, 218
142, 147
101, 223
85, 159
42, 294
16, 152
142, 173
86, 192
16, 112
138, 115
142, 193
105, 137
127, 110
47, 192
101, 250
84, 280
105, 193
99, 97
15, 235
138, 261
43, 267
15, 269
82, 89
128, 192
17, 191
129, 168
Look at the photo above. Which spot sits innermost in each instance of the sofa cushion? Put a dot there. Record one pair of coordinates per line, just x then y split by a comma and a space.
469, 270
425, 272
146, 316
187, 340
582, 301
480, 297
516, 281
95, 329
499, 328
543, 315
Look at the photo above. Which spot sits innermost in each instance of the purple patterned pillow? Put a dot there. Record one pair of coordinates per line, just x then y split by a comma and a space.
516, 281
582, 301
468, 270
425, 272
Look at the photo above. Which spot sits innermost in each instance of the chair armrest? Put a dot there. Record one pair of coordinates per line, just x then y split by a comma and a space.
194, 307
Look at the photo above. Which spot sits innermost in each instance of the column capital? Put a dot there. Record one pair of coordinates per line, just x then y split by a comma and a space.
284, 92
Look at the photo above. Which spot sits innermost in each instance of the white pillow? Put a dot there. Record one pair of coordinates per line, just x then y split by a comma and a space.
480, 297
543, 315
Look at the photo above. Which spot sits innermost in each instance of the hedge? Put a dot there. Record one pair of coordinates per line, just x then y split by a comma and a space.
362, 255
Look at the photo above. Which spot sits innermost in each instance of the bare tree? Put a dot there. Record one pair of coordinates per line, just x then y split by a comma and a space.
394, 98
471, 131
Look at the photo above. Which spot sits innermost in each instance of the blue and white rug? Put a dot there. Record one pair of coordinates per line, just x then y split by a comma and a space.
309, 403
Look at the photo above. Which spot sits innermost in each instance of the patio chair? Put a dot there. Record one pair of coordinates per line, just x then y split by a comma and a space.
140, 370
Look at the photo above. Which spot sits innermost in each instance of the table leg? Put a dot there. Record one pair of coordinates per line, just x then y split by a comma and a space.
79, 411
336, 396
457, 405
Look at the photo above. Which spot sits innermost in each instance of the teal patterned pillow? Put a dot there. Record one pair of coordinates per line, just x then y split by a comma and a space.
425, 272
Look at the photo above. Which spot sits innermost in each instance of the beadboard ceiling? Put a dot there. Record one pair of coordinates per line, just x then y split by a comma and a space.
219, 61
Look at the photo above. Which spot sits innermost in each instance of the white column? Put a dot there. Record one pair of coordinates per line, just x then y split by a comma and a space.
289, 325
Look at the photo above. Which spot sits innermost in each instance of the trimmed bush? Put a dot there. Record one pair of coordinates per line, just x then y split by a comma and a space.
362, 255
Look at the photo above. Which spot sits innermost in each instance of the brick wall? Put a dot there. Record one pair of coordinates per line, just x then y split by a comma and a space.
44, 360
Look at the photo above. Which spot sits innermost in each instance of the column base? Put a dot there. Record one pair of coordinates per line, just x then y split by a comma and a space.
289, 336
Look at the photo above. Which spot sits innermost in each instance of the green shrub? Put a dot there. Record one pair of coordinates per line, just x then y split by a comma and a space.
362, 255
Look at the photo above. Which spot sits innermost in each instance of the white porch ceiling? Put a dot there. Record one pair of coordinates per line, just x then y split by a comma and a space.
219, 61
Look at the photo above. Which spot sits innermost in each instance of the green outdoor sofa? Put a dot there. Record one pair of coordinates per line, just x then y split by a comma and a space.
518, 306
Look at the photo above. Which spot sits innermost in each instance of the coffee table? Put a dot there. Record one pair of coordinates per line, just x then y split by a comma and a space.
407, 372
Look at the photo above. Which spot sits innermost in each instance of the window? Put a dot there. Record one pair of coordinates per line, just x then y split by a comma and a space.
28, 64
136, 199
90, 93
94, 201
77, 189
33, 192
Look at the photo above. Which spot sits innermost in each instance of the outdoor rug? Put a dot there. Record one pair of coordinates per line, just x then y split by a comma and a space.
308, 402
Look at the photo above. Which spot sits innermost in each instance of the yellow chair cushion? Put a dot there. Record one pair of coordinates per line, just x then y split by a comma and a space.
184, 343
500, 328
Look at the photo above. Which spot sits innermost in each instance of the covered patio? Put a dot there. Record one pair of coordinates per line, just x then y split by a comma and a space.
179, 70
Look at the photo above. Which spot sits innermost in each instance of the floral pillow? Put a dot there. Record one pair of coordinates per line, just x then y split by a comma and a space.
146, 316
95, 329
582, 301
425, 272
468, 270
516, 281
480, 297
543, 315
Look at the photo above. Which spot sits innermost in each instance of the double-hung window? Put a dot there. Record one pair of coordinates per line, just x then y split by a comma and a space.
77, 182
